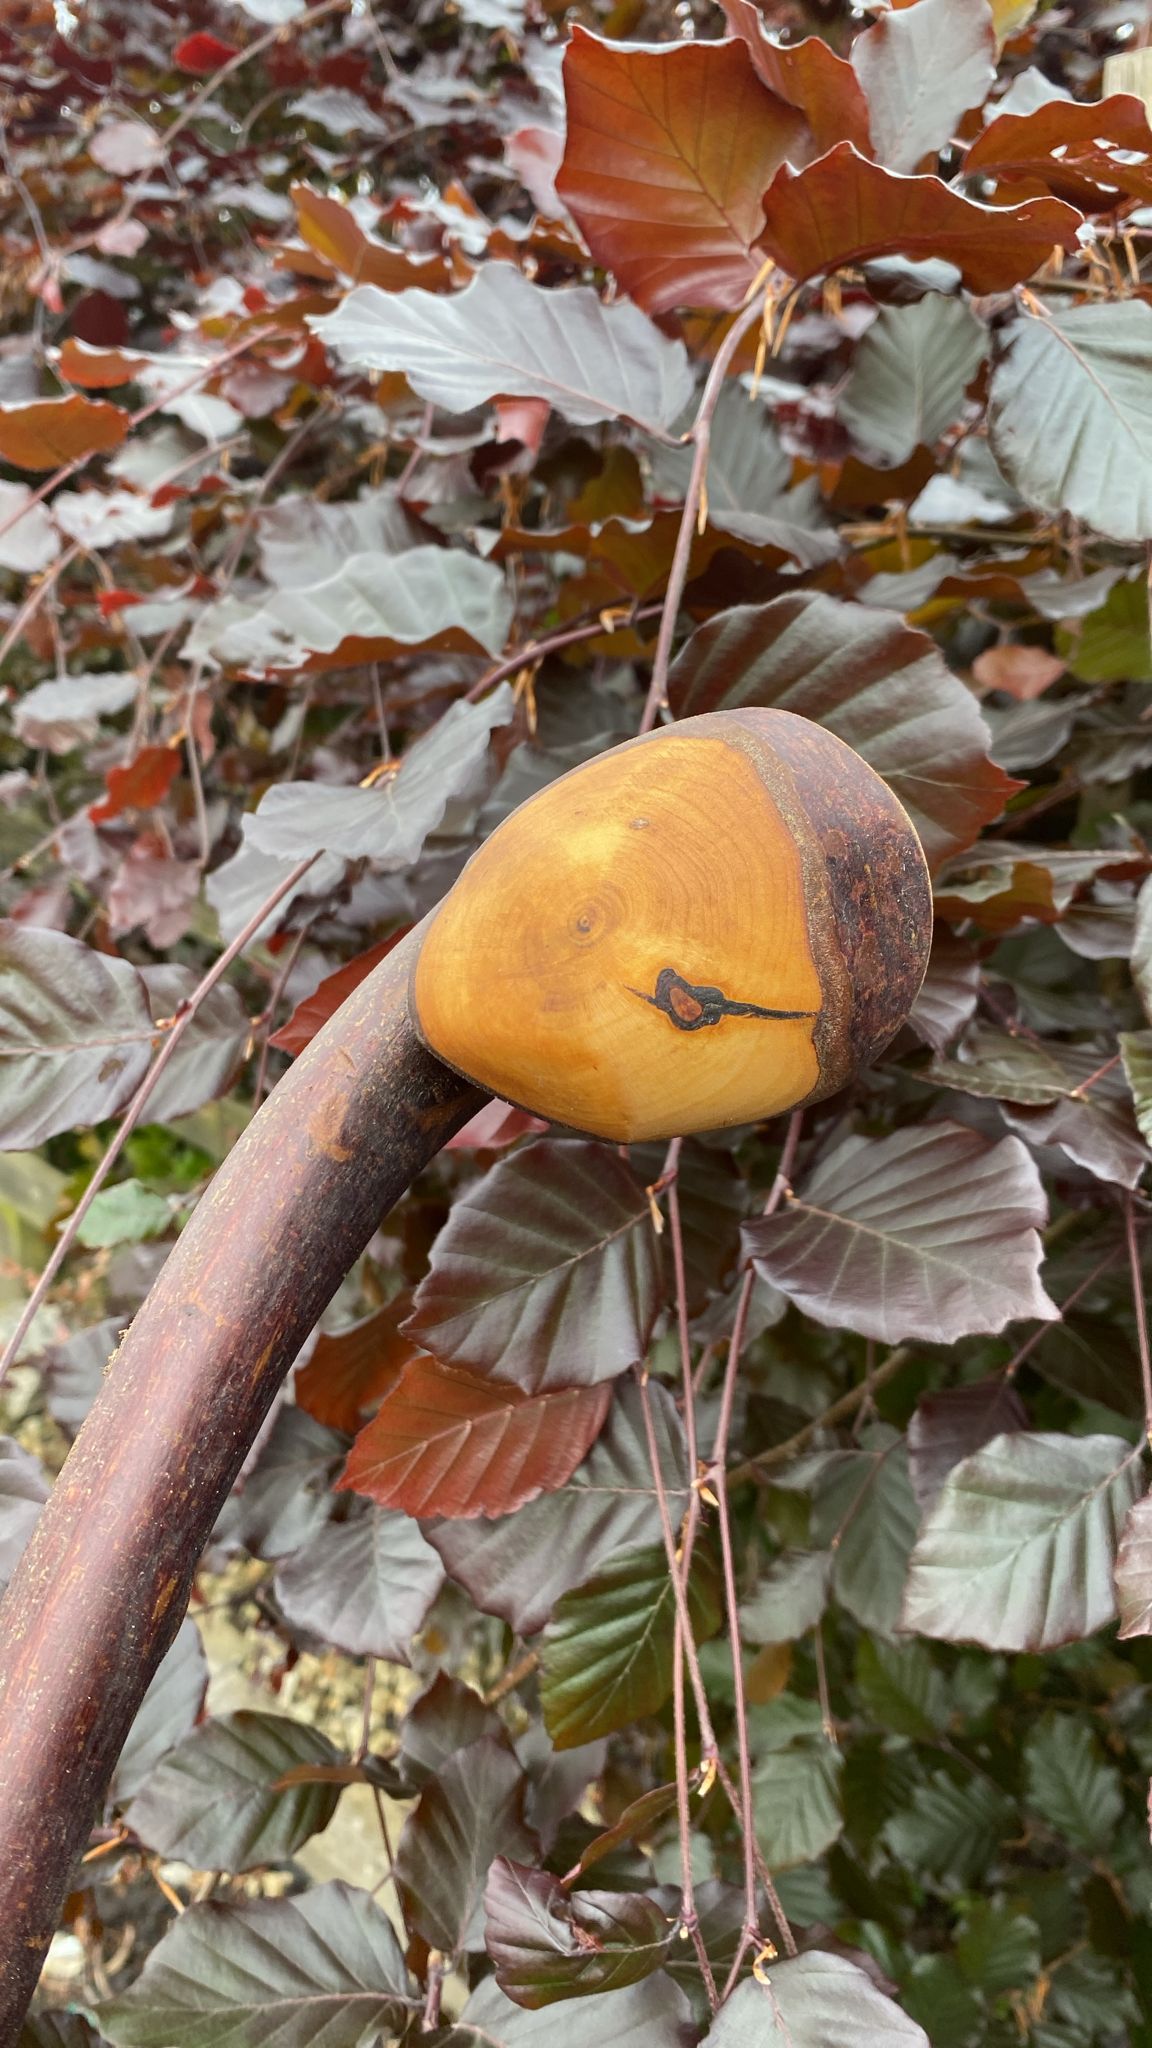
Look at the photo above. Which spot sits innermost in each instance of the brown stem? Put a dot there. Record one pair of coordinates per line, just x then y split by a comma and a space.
700, 437
101, 1589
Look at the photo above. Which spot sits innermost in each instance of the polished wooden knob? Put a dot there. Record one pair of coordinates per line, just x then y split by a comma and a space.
702, 927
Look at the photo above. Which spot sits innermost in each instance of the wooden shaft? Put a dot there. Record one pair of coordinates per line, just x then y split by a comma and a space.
103, 1586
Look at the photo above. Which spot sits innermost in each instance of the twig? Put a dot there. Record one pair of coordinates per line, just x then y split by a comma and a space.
750, 1931
137, 1107
700, 437
533, 651
1138, 1304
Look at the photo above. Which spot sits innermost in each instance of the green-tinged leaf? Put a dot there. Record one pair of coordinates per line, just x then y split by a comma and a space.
790, 1598
749, 476
951, 1831
929, 1233
1094, 1358
1017, 1551
23, 1492
521, 1564
902, 1688
374, 608
948, 1427
607, 1655
912, 367
471, 1812
504, 337
1090, 368
993, 1063
997, 1950
76, 1034
548, 1944
214, 1801
55, 2029
652, 2014
921, 68
1133, 1572
1070, 1785
390, 822
795, 1803
547, 1272
935, 1994
168, 1713
444, 1442
325, 1966
364, 1585
125, 1214
1112, 644
815, 2001
875, 682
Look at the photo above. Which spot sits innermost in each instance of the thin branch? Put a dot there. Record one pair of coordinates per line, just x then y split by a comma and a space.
700, 436
1140, 1307
532, 652
750, 1931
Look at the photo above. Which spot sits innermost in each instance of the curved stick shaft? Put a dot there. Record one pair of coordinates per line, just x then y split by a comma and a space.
103, 1586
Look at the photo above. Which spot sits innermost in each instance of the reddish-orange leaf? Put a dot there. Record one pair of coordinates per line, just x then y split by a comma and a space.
202, 53
315, 1010
1024, 672
48, 432
843, 209
347, 1373
1087, 134
495, 1127
140, 784
333, 233
668, 154
99, 369
451, 1443
810, 76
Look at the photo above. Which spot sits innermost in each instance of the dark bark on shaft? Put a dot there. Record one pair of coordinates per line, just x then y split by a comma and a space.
103, 1586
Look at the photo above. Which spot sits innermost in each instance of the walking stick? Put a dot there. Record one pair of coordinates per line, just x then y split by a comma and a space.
705, 926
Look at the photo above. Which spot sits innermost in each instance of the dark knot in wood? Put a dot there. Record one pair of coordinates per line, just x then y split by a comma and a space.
689, 1006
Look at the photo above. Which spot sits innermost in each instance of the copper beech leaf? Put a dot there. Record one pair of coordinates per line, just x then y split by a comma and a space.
521, 1564
547, 1273
371, 608
215, 1800
652, 2014
911, 368
1076, 149
669, 150
322, 1966
930, 1233
1090, 368
46, 433
76, 1034
313, 1012
876, 682
844, 209
444, 1442
469, 1813
816, 2000
949, 1426
921, 68
1016, 1552
23, 1492
351, 1369
607, 1653
390, 821
808, 75
548, 1944
503, 337
364, 1585
1134, 1571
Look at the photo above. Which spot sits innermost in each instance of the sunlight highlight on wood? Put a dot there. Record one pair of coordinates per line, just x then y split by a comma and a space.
703, 927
